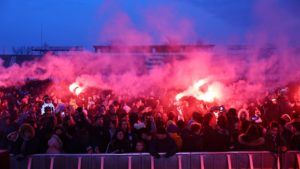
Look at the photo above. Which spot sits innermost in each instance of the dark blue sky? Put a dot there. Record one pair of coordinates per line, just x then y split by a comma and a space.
89, 22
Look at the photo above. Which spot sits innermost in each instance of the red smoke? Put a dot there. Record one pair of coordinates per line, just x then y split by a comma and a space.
235, 75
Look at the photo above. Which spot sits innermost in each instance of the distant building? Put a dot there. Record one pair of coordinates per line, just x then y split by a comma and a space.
55, 49
29, 53
10, 59
155, 55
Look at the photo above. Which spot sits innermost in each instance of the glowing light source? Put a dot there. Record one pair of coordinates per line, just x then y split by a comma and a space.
213, 92
72, 87
76, 88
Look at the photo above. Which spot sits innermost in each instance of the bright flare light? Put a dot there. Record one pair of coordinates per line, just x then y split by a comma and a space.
72, 87
76, 88
213, 92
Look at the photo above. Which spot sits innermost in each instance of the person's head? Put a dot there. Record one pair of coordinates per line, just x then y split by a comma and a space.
26, 131
123, 116
181, 124
209, 120
139, 103
161, 133
274, 128
99, 121
144, 134
197, 117
222, 122
113, 124
112, 109
147, 116
25, 100
116, 105
282, 122
253, 132
243, 115
47, 100
171, 115
59, 130
47, 110
215, 110
231, 113
79, 115
124, 125
7, 120
28, 134
295, 116
295, 127
25, 108
140, 146
196, 128
102, 109
120, 135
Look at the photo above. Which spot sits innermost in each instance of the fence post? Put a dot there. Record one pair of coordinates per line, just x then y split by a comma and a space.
129, 162
298, 160
278, 161
51, 162
229, 161
179, 162
202, 162
102, 163
29, 163
79, 163
250, 161
152, 162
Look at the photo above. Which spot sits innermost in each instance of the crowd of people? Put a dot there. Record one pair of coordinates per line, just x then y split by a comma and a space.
32, 122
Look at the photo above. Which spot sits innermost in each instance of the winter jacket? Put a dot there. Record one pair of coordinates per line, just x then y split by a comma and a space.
100, 138
55, 145
273, 143
295, 142
23, 145
246, 144
177, 139
166, 145
118, 146
212, 137
193, 143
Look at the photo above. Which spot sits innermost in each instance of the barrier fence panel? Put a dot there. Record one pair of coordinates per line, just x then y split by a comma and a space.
18, 164
38, 162
202, 160
290, 160
209, 160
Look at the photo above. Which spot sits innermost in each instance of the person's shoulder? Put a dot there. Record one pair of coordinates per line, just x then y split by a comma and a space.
256, 142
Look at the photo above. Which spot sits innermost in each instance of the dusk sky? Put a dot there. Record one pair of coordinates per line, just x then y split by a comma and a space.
90, 22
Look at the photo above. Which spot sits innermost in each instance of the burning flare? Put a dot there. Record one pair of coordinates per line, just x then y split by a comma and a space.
213, 92
76, 88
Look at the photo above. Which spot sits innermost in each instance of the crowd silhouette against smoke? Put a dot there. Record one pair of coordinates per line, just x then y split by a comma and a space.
211, 100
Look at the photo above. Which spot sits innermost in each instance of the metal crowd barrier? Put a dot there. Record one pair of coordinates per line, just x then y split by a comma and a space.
202, 160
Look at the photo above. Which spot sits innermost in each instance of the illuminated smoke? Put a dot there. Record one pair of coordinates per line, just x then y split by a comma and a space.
76, 88
212, 93
231, 77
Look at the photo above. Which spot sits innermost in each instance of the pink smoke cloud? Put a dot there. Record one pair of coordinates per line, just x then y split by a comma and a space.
245, 76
